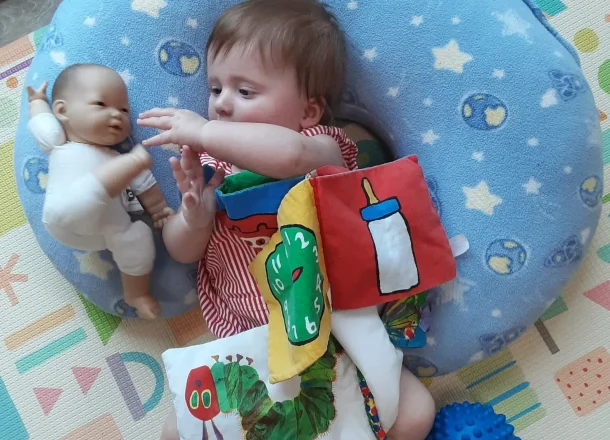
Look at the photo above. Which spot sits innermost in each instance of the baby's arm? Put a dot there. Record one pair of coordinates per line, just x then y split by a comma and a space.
266, 149
186, 234
185, 243
270, 150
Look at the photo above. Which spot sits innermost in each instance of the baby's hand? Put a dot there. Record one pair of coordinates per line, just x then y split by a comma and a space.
40, 93
182, 127
198, 199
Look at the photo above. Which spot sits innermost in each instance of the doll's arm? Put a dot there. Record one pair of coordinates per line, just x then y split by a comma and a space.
149, 194
154, 203
38, 100
43, 124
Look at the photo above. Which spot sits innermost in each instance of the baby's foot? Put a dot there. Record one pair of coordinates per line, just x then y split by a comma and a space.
142, 157
146, 306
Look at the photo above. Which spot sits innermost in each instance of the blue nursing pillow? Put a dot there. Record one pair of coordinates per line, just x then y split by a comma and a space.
491, 100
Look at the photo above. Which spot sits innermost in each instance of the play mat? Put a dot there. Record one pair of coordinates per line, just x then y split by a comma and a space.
70, 371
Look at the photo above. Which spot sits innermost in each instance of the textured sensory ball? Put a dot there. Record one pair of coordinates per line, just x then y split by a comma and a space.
467, 421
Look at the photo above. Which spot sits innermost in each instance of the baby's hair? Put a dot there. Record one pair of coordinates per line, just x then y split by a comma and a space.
299, 33
67, 77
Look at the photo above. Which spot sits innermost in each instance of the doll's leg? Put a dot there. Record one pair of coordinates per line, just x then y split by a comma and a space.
78, 207
134, 252
416, 410
136, 289
116, 174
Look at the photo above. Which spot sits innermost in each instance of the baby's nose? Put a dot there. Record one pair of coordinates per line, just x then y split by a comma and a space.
223, 106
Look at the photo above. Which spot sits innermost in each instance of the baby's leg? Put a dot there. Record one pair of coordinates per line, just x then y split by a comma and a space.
170, 429
134, 252
116, 174
416, 410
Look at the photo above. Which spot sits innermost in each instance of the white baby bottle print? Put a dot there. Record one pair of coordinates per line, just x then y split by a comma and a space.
396, 265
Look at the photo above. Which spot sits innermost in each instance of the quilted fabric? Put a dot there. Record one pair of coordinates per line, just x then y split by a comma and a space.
491, 100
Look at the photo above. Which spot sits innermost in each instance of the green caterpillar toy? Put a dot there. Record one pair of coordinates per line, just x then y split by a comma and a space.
235, 387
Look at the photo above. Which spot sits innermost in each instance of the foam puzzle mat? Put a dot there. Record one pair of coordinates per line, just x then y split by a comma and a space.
70, 371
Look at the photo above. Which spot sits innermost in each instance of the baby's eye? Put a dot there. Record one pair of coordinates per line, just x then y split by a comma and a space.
246, 93
215, 90
125, 110
99, 103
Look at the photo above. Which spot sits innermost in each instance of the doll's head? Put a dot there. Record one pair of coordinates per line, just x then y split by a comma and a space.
91, 103
275, 61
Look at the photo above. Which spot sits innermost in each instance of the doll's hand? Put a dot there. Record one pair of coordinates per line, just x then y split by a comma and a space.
40, 93
160, 218
141, 156
182, 127
198, 199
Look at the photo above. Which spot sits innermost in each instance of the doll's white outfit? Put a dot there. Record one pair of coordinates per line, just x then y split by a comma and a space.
78, 212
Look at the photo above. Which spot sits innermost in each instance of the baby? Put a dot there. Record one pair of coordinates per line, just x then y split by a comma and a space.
83, 207
275, 68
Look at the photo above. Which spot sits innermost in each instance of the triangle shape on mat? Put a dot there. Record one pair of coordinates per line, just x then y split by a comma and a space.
600, 295
85, 376
47, 398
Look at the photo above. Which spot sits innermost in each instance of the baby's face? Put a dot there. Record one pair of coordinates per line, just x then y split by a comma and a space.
246, 88
97, 108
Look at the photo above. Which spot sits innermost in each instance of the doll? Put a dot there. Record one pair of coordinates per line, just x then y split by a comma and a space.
83, 208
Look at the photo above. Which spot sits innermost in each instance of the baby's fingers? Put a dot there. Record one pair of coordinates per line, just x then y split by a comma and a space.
159, 139
156, 112
190, 200
181, 180
160, 122
217, 178
191, 164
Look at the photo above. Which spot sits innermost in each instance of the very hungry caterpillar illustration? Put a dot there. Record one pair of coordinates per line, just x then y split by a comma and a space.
236, 387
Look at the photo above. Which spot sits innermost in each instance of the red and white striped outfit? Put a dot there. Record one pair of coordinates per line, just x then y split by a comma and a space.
228, 295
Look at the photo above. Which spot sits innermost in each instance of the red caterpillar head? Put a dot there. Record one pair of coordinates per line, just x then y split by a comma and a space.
200, 395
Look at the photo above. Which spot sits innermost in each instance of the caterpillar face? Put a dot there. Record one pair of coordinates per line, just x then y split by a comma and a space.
200, 394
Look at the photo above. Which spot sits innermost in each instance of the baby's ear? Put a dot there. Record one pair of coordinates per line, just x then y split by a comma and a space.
59, 109
314, 110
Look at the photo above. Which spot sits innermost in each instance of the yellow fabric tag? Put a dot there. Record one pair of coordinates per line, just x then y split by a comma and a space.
291, 276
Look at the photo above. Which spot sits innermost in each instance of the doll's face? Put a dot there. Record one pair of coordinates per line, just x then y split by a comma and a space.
95, 109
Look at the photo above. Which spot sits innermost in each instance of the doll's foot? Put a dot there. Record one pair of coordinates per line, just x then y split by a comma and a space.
146, 306
160, 219
142, 157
